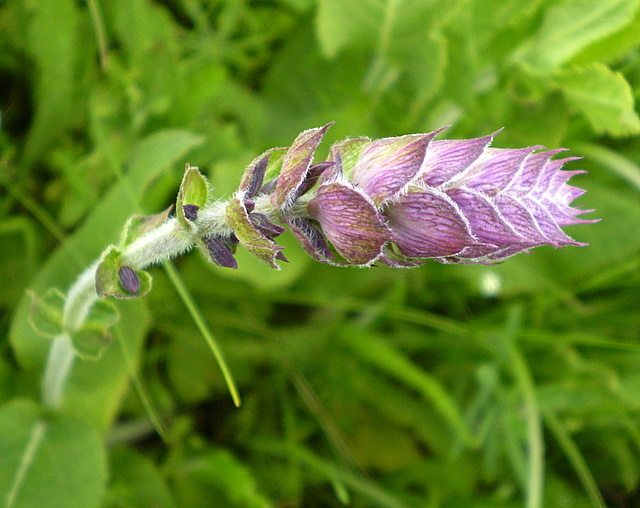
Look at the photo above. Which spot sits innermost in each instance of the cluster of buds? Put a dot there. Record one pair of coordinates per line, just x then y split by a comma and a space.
400, 201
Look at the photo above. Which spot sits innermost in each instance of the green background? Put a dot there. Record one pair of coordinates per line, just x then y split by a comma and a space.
470, 386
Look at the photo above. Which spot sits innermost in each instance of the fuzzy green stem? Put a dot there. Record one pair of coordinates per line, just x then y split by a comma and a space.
160, 244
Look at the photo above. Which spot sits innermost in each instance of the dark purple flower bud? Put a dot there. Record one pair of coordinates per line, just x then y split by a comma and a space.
129, 279
281, 257
220, 252
266, 226
254, 175
269, 187
315, 171
249, 205
191, 211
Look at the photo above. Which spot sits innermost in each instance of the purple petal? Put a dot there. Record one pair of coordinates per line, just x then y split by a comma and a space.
530, 171
520, 218
447, 158
495, 169
547, 175
350, 221
487, 223
427, 224
548, 225
566, 215
296, 165
386, 165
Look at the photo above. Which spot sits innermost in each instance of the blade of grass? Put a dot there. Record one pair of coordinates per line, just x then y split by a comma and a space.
524, 379
379, 353
328, 425
98, 26
142, 392
575, 458
27, 459
407, 314
367, 488
200, 322
613, 161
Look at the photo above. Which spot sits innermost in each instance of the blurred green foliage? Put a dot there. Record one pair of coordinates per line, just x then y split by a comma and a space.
479, 386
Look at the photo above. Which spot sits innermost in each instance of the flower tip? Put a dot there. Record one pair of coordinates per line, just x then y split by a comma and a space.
280, 256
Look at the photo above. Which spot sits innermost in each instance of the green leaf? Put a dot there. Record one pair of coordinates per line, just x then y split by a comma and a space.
46, 312
194, 190
20, 242
614, 47
49, 461
572, 25
603, 96
93, 338
403, 35
340, 24
138, 225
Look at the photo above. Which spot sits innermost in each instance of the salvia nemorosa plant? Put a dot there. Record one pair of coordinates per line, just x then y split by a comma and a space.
394, 201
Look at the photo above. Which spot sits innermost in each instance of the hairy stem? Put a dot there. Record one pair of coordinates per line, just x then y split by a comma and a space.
163, 243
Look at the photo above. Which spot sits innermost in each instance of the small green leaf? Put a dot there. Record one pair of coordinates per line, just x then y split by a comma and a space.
139, 225
340, 23
218, 478
194, 190
89, 343
109, 281
46, 313
603, 96
572, 25
93, 338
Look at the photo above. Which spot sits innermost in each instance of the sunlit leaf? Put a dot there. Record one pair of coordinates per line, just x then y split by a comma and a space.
49, 461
